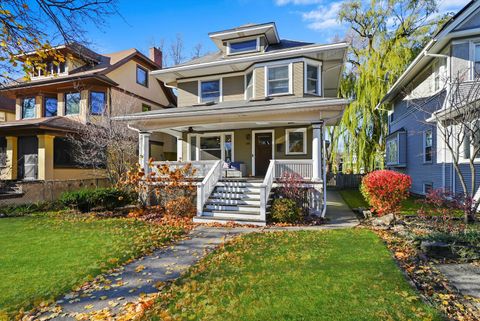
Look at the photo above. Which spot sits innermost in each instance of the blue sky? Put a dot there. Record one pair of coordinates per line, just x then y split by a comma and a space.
147, 22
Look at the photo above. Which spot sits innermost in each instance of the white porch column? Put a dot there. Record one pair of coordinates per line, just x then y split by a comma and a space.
143, 150
317, 151
180, 149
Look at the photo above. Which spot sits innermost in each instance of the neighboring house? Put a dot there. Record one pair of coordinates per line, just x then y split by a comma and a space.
423, 94
63, 95
256, 108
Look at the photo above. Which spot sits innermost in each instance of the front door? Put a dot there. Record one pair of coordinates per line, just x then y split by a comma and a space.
263, 152
27, 157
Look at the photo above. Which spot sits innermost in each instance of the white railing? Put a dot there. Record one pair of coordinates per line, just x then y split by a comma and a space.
201, 167
302, 167
205, 188
265, 189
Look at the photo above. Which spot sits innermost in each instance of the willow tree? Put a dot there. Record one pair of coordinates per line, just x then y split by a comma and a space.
385, 36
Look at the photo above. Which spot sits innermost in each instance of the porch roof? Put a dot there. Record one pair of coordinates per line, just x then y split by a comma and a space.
57, 124
285, 110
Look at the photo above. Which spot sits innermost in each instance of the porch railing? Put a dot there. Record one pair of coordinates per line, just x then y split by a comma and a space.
201, 167
265, 189
205, 188
302, 167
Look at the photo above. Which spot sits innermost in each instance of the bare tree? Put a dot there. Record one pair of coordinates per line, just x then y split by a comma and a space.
36, 26
455, 111
177, 49
197, 51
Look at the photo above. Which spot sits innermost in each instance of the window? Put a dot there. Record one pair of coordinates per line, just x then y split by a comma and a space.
142, 76
249, 86
427, 188
476, 62
228, 148
439, 68
97, 102
65, 154
278, 80
3, 152
312, 80
72, 103
146, 107
193, 147
28, 108
210, 91
243, 46
211, 146
50, 108
471, 141
296, 141
427, 146
61, 67
392, 151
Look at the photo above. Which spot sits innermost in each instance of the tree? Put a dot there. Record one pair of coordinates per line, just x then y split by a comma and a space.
37, 26
385, 36
456, 113
177, 49
197, 51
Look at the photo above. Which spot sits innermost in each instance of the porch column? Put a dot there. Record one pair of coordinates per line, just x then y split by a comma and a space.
144, 150
45, 157
317, 152
179, 149
12, 153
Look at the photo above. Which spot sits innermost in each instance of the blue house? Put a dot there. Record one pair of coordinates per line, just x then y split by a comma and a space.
426, 138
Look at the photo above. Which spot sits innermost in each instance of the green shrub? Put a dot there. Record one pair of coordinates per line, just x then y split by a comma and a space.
285, 210
26, 209
87, 199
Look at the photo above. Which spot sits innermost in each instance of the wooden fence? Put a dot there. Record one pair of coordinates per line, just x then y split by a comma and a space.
342, 181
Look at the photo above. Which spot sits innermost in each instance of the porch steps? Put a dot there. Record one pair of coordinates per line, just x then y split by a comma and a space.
234, 200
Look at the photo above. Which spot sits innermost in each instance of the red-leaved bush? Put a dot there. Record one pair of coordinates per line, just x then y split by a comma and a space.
384, 190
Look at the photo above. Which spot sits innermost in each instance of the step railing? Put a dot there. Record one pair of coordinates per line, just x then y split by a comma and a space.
206, 187
265, 189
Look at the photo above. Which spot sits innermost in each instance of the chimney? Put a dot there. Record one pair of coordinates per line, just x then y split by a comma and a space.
156, 56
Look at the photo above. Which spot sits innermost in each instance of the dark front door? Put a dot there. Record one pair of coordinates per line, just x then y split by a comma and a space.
27, 157
263, 152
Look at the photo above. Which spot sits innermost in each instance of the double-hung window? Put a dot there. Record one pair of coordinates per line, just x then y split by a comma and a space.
50, 107
476, 62
210, 91
72, 103
428, 146
312, 79
278, 80
28, 107
471, 140
97, 102
249, 86
392, 151
142, 76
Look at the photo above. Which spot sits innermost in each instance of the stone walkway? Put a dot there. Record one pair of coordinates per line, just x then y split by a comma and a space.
143, 276
465, 277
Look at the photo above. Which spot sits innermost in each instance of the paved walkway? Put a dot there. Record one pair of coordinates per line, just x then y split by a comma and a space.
144, 275
465, 277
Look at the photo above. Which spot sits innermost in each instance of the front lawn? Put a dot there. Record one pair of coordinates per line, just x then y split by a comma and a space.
354, 199
44, 256
306, 275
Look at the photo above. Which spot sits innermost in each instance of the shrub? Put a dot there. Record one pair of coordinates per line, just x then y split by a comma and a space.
285, 210
87, 199
291, 187
26, 209
384, 190
182, 206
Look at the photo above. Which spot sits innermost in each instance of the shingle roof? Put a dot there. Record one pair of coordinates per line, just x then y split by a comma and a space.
55, 123
7, 104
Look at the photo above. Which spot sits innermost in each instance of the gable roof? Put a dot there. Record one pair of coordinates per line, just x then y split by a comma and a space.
434, 46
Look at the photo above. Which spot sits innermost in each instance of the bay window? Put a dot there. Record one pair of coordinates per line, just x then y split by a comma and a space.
72, 103
210, 91
312, 79
28, 107
278, 80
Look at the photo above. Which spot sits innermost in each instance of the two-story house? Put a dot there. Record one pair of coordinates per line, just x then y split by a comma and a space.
60, 96
255, 109
423, 102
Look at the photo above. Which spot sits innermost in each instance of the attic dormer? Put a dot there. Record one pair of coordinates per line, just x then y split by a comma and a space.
245, 39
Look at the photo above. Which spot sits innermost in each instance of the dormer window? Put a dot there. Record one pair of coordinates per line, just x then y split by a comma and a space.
243, 46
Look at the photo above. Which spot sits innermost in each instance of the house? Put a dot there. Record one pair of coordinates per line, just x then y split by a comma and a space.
247, 114
425, 132
62, 95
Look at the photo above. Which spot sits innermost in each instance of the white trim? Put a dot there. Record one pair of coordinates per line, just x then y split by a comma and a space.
254, 132
424, 146
253, 28
245, 39
290, 79
397, 139
319, 76
287, 140
220, 85
245, 84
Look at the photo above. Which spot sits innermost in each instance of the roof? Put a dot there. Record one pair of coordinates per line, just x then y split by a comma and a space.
57, 123
434, 46
269, 30
7, 104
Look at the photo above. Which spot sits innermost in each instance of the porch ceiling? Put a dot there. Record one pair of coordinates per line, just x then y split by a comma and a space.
244, 115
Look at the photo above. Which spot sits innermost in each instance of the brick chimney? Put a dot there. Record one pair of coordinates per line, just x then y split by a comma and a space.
156, 56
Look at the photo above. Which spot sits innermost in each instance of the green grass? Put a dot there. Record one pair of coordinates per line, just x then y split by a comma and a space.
354, 199
307, 275
44, 256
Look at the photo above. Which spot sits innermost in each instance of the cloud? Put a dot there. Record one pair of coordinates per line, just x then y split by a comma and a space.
296, 2
451, 5
324, 17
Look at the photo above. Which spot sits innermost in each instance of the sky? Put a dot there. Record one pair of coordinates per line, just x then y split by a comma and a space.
144, 23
